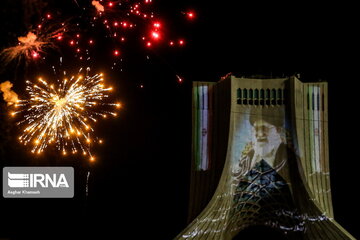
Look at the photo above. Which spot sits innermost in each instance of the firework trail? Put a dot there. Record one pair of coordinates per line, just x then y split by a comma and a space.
87, 184
62, 113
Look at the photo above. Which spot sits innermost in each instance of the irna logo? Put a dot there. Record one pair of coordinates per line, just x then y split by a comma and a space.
19, 180
38, 182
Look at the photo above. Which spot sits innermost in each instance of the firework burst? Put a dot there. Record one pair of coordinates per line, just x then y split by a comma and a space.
35, 43
62, 114
120, 17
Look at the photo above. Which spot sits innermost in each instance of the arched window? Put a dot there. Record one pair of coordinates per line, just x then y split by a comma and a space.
267, 97
251, 96
239, 95
262, 96
245, 96
256, 97
256, 93
273, 97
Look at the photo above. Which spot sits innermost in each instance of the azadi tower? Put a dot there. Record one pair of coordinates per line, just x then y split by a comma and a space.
261, 150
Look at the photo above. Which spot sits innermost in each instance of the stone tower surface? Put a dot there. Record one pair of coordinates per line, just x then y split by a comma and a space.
260, 148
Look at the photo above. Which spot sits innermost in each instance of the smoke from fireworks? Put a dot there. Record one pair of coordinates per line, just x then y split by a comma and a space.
98, 6
9, 95
63, 114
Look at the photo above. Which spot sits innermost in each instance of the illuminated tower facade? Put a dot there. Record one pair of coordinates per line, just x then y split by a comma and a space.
260, 148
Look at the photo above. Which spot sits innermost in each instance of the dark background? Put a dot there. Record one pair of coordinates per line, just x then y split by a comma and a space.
139, 185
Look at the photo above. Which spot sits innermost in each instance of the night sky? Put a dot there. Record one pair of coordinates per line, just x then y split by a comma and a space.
139, 184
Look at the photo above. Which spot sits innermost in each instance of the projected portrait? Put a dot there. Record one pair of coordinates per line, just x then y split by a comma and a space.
267, 140
261, 177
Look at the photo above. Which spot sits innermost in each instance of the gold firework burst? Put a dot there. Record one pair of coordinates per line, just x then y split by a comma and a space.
64, 114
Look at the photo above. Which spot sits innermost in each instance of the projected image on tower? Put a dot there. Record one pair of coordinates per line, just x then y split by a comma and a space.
260, 135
